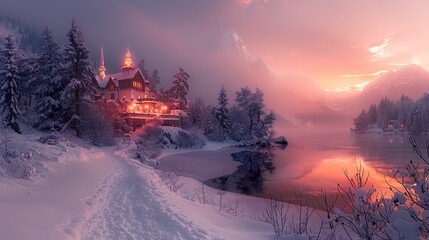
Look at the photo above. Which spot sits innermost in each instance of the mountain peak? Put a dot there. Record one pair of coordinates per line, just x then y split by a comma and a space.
232, 41
260, 66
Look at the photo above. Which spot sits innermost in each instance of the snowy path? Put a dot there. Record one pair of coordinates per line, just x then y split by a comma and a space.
127, 206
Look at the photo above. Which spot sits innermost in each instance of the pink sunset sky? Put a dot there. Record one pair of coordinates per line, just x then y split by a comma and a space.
337, 43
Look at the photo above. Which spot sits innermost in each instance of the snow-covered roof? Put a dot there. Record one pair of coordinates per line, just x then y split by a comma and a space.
116, 77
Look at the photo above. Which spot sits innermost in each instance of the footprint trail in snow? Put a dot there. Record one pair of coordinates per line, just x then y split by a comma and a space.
127, 206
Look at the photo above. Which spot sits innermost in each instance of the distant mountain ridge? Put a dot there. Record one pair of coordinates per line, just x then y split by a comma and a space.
411, 80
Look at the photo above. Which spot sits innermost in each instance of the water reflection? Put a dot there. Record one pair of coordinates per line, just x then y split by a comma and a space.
249, 177
307, 166
321, 162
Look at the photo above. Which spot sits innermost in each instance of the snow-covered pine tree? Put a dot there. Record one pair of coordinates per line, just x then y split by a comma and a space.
180, 88
196, 112
221, 113
263, 130
244, 102
257, 105
78, 74
361, 122
47, 83
8, 87
258, 124
28, 69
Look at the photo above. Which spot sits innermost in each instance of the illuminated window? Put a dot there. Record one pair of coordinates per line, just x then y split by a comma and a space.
111, 87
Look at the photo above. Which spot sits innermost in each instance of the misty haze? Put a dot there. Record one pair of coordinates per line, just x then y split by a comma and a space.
240, 119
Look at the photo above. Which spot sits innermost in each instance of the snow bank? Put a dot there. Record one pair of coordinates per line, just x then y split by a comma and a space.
170, 137
46, 206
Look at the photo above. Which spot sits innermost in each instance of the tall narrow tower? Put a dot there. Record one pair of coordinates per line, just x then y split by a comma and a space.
128, 63
102, 68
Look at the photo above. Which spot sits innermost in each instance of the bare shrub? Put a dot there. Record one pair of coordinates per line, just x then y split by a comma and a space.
371, 217
204, 194
18, 164
233, 208
275, 214
170, 174
299, 224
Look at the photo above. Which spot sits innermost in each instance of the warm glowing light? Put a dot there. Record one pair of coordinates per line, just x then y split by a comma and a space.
246, 2
350, 88
366, 75
163, 109
102, 68
128, 61
379, 50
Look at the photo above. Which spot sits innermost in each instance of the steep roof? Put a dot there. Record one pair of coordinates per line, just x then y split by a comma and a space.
116, 77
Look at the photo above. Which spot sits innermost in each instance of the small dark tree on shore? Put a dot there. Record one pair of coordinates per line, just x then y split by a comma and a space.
220, 126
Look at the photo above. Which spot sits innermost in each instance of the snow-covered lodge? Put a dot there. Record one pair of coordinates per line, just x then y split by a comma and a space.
129, 87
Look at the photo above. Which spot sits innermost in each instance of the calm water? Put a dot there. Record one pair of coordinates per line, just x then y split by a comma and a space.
315, 161
312, 162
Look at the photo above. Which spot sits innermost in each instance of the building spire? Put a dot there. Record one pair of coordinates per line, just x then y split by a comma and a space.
102, 68
128, 61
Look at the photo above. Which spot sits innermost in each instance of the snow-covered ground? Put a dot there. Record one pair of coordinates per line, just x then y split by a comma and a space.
101, 193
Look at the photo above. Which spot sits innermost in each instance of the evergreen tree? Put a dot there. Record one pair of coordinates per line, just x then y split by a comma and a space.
221, 112
404, 107
386, 111
416, 123
257, 104
257, 123
180, 88
79, 74
48, 83
243, 99
372, 114
144, 71
252, 103
8, 87
196, 112
361, 122
28, 71
264, 129
154, 82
